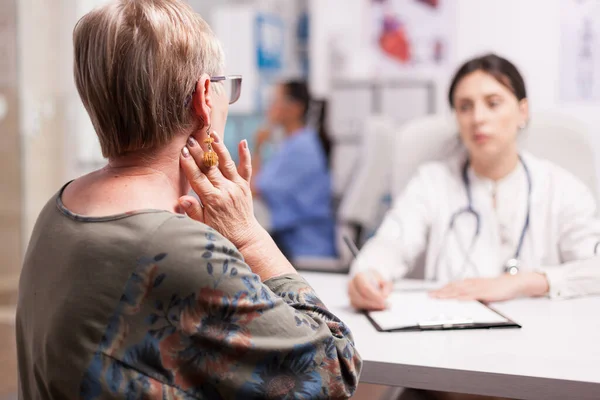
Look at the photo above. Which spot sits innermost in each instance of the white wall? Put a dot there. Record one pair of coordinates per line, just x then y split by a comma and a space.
337, 26
527, 32
45, 89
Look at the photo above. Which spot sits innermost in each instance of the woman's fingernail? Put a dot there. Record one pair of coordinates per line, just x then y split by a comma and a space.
216, 137
191, 142
185, 152
186, 204
245, 144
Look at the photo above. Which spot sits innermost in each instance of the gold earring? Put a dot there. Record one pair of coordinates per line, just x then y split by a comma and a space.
210, 157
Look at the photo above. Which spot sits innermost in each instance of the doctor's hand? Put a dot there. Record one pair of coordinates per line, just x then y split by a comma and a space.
502, 288
369, 291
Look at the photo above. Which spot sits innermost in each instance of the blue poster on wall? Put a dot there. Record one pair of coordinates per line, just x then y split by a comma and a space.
269, 36
302, 37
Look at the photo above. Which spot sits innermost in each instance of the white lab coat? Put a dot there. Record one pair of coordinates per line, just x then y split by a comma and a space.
560, 241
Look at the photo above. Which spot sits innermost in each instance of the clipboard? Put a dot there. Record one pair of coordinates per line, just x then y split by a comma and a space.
414, 311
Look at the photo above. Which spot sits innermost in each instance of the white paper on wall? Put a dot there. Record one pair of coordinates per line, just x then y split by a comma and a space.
580, 51
234, 26
349, 107
403, 103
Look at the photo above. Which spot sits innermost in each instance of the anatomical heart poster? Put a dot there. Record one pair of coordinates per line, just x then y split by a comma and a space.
412, 35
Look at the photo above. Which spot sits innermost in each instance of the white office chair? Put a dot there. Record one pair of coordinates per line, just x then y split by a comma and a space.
559, 138
369, 194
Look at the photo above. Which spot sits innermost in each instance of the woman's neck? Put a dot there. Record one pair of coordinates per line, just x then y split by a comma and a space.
497, 167
131, 183
293, 127
160, 176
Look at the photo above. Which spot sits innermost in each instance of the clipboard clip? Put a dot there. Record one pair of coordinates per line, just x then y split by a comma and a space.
445, 323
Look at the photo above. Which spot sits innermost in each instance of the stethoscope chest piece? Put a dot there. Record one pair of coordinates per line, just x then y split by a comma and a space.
511, 266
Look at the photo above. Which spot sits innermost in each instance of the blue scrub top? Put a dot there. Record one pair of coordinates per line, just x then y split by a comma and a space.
296, 186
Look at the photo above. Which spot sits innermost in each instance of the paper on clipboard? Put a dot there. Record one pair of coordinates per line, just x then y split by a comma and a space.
414, 309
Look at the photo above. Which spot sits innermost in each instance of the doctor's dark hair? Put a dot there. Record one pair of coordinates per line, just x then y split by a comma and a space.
500, 68
298, 91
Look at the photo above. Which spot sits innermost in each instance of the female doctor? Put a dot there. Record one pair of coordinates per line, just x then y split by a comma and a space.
494, 223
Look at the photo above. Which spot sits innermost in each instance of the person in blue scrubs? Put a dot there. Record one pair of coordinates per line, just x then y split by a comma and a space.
295, 183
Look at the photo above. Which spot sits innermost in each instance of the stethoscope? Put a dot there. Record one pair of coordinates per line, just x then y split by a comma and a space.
513, 264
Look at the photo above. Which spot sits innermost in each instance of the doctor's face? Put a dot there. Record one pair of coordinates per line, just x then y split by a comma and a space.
489, 115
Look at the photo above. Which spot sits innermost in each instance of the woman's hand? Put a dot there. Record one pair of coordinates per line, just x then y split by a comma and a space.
262, 136
224, 191
502, 288
227, 206
369, 291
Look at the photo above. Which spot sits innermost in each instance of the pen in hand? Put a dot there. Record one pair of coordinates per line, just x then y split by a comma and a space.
354, 250
379, 289
351, 246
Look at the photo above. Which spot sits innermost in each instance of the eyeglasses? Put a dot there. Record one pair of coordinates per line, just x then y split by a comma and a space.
233, 87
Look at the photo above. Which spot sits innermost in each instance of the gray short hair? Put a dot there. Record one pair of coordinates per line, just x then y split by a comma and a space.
136, 62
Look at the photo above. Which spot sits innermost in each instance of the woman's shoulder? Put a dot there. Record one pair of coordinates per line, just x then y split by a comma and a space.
306, 140
444, 170
552, 182
172, 232
550, 172
180, 232
433, 182
299, 149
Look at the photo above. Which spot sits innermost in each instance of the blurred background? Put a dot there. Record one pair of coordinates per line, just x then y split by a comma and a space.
369, 60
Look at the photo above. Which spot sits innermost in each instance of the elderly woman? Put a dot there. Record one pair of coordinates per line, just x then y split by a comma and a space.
122, 295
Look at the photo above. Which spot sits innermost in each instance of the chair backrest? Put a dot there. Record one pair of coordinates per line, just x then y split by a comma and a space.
419, 141
368, 193
566, 141
556, 137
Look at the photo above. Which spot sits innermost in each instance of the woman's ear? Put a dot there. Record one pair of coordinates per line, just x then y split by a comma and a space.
524, 112
202, 100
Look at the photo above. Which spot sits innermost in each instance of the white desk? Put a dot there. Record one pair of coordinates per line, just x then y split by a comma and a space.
556, 355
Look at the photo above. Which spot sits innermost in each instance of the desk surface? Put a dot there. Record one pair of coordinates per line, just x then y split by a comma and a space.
556, 355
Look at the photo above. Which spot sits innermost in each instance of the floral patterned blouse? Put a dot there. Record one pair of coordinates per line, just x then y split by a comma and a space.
154, 305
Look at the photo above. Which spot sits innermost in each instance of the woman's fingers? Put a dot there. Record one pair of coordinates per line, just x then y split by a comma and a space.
192, 207
445, 292
198, 180
359, 302
386, 287
213, 174
370, 293
454, 290
355, 299
245, 166
226, 163
446, 295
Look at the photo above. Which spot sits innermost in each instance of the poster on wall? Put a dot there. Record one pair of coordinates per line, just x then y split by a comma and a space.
580, 51
409, 36
269, 37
